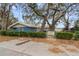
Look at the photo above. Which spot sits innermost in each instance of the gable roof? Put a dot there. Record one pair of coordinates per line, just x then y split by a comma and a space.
19, 24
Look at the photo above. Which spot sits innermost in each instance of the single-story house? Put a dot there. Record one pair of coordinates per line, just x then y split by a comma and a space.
18, 26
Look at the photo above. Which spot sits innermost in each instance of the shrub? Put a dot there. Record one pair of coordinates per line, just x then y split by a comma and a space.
2, 32
64, 35
23, 34
77, 29
76, 36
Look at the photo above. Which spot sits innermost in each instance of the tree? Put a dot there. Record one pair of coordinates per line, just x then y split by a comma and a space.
57, 11
5, 11
76, 27
67, 20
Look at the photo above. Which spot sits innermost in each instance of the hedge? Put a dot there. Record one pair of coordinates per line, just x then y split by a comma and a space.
64, 35
76, 36
23, 34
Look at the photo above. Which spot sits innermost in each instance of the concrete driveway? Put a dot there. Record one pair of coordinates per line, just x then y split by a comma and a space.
10, 52
29, 48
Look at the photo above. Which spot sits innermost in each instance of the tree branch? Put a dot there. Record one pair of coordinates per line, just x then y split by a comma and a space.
63, 13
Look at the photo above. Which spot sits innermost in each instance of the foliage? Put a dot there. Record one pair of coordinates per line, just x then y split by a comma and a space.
64, 35
76, 36
50, 11
23, 34
6, 15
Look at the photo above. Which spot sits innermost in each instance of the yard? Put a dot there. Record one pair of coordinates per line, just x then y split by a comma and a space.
41, 46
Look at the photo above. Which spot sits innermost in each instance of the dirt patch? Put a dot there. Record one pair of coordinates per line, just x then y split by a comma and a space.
58, 42
56, 50
76, 43
71, 50
62, 41
6, 38
45, 40
55, 42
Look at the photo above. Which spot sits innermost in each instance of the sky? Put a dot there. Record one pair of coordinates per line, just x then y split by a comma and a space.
17, 12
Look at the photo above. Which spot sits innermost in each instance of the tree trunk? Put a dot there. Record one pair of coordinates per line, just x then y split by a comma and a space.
43, 25
52, 28
67, 27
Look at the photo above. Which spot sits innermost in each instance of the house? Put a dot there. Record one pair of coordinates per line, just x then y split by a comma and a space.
59, 29
18, 26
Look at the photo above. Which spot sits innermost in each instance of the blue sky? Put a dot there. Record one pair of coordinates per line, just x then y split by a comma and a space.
17, 13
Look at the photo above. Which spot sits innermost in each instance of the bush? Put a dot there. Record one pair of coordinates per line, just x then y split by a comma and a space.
76, 36
23, 34
77, 29
64, 35
2, 32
